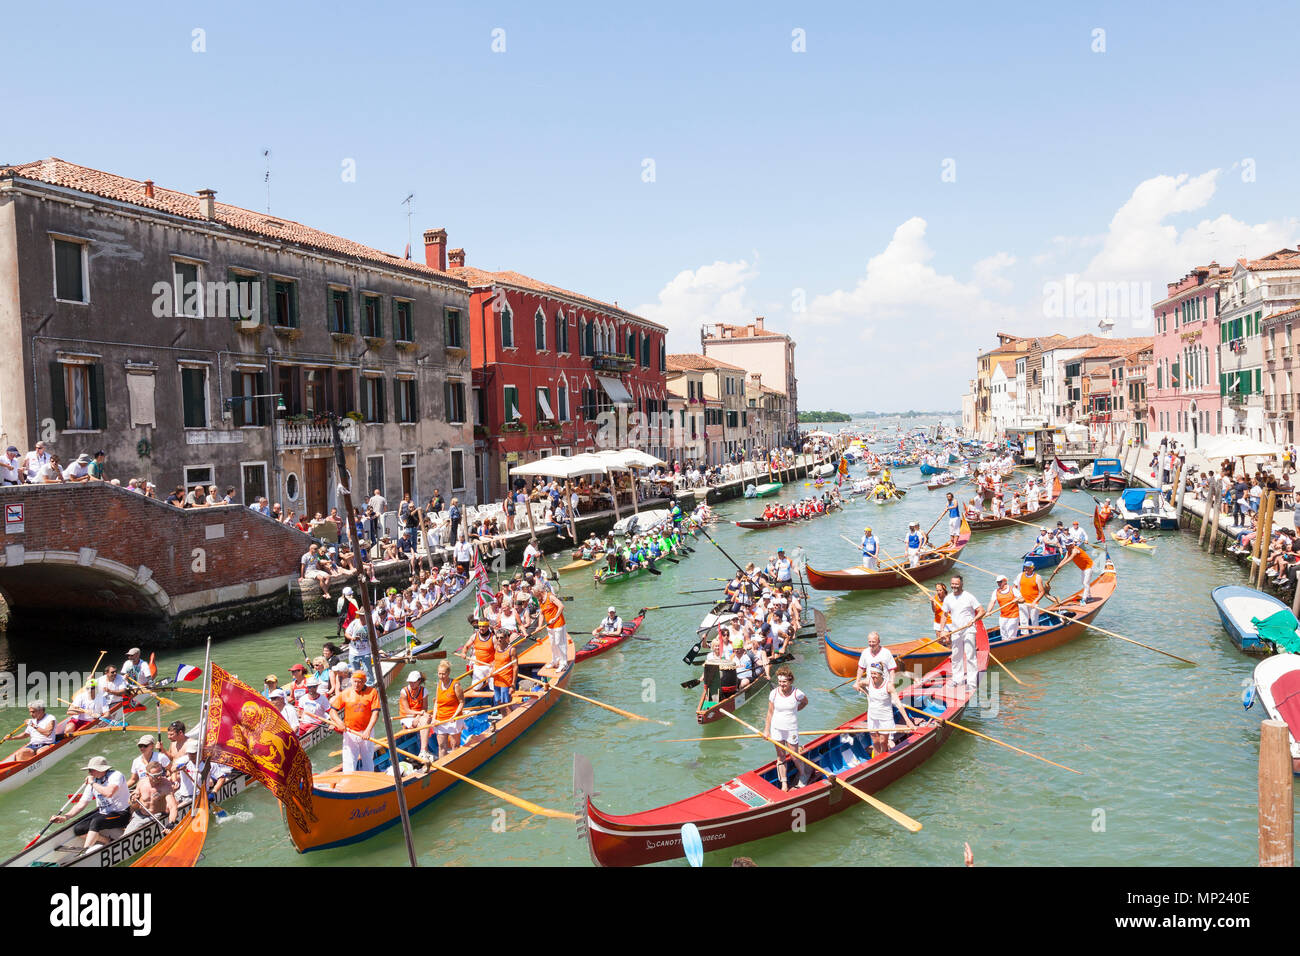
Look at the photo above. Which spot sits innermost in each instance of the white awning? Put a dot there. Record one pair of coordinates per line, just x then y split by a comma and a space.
546, 405
615, 390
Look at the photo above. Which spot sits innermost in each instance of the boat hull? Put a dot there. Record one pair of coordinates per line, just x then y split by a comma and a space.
602, 643
861, 579
14, 777
1236, 605
987, 524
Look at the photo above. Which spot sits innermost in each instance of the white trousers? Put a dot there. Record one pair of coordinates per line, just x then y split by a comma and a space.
965, 665
1009, 628
1028, 615
559, 638
358, 753
870, 562
913, 556
954, 526
1087, 584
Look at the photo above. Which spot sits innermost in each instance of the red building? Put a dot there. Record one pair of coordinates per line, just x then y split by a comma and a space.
546, 363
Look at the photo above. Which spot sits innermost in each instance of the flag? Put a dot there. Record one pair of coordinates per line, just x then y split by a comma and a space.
407, 254
187, 672
246, 733
1099, 523
484, 594
183, 845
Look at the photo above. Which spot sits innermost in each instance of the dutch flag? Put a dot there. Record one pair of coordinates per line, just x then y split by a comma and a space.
187, 672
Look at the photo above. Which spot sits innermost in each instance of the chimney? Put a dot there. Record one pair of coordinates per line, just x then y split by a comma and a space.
435, 249
208, 203
758, 324
148, 189
456, 258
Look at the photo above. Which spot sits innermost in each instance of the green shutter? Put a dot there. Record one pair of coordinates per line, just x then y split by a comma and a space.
1258, 381
237, 405
59, 405
98, 406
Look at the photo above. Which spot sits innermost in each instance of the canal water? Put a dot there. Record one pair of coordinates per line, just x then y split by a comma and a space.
1168, 757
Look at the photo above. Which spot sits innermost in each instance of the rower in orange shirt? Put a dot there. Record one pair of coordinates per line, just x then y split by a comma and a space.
359, 705
449, 701
481, 643
413, 708
553, 613
504, 671
1031, 588
1007, 602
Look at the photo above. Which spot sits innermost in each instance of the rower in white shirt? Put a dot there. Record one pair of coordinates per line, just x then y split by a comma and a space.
88, 704
874, 653
612, 624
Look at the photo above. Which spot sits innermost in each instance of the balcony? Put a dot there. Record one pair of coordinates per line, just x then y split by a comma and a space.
1269, 354
1237, 401
1270, 403
1288, 402
612, 362
290, 434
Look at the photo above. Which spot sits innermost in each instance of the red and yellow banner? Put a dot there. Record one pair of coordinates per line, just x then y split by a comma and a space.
249, 735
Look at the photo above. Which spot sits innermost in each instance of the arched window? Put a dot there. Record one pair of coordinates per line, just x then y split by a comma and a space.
561, 332
539, 329
507, 319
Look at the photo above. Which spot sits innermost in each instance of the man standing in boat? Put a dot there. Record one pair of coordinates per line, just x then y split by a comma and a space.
873, 654
783, 568
954, 519
870, 550
1031, 588
914, 541
1006, 599
963, 611
359, 706
552, 609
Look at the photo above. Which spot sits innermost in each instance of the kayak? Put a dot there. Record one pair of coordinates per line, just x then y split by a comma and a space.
604, 642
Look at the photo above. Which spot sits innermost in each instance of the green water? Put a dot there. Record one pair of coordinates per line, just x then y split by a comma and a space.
1168, 757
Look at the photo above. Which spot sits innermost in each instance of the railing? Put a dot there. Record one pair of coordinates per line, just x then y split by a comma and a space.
313, 435
1270, 403
1287, 402
1269, 353
612, 362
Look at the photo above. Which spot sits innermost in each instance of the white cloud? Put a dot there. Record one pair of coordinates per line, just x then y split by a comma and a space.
712, 293
988, 271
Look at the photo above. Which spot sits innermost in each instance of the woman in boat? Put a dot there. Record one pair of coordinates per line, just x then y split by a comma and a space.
449, 703
882, 698
505, 670
782, 724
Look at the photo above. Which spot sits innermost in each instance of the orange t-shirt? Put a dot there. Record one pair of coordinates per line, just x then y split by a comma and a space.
1008, 606
938, 610
357, 708
1082, 560
1029, 587
483, 648
447, 702
552, 612
504, 669
409, 704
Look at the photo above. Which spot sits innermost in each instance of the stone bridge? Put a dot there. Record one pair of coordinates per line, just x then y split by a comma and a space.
95, 562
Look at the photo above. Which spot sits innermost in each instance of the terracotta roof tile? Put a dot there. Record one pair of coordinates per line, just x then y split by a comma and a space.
691, 361
482, 278
58, 172
1282, 259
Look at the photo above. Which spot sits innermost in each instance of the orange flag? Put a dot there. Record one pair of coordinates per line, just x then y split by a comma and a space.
183, 845
249, 735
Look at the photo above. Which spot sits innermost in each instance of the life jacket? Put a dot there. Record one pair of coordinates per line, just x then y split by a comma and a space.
1008, 606
447, 702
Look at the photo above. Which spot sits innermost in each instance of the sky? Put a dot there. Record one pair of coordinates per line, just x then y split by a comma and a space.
889, 183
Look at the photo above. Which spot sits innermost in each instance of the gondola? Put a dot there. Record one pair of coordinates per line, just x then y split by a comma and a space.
988, 523
15, 773
886, 576
350, 807
753, 806
1059, 627
606, 642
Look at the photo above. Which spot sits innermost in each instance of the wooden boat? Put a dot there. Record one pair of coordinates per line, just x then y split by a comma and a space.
1070, 477
1277, 687
889, 499
988, 522
14, 773
707, 711
1061, 627
941, 481
1237, 606
764, 490
1107, 475
1041, 560
428, 617
886, 576
928, 469
605, 642
351, 807
752, 805
762, 524
606, 576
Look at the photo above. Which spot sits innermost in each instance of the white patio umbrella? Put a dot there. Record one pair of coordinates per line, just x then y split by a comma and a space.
1238, 446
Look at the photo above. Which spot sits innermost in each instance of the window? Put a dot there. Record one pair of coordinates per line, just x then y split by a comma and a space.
198, 475
587, 334
539, 330
408, 476
544, 412
452, 319
588, 404
645, 351
375, 473
457, 470
284, 303
344, 400
194, 395
663, 356
562, 402
70, 271
456, 402
561, 332
480, 407
77, 393
253, 478
340, 311
403, 324
187, 291
404, 402
507, 320
245, 409
372, 316
511, 395
241, 299
372, 400
631, 344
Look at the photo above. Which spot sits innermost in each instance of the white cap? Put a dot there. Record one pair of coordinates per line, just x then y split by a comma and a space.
347, 592
146, 739
612, 609
412, 677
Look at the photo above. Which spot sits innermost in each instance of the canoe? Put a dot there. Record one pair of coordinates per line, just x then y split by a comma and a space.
932, 469
861, 579
752, 805
605, 576
1277, 687
605, 642
988, 523
14, 774
707, 711
61, 847
351, 807
763, 490
575, 565
1237, 605
760, 524
1061, 628
942, 481
1040, 561
1141, 547
896, 496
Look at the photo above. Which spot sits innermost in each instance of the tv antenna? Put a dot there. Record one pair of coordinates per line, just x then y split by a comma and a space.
266, 154
409, 203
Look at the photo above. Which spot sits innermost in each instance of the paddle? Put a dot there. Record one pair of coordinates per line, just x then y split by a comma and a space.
1063, 610
897, 816
1000, 743
692, 844
802, 733
426, 656
62, 810
519, 802
171, 704
609, 707
665, 607
724, 553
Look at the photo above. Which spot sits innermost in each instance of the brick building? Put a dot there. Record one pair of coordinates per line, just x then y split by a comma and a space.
165, 328
755, 348
547, 363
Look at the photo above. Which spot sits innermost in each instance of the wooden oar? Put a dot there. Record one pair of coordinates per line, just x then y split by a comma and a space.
1128, 639
62, 810
426, 656
664, 607
896, 815
1000, 743
171, 704
609, 707
802, 733
519, 802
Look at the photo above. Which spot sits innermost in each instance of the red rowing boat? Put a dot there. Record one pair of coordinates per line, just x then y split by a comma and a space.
1060, 626
604, 642
23, 764
887, 576
753, 805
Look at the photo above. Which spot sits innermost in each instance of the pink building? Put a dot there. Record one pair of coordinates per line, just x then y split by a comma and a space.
1183, 395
